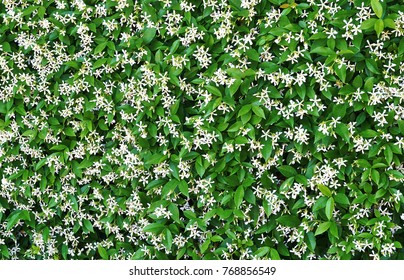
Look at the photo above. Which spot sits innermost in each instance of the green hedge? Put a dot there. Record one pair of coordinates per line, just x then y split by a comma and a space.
201, 129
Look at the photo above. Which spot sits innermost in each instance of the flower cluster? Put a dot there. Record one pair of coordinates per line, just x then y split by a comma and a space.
201, 129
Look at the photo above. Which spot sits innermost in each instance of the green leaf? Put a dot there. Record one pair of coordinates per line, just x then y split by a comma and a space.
334, 229
388, 153
65, 251
372, 66
377, 8
168, 239
29, 10
342, 130
111, 45
6, 47
311, 241
41, 11
73, 202
324, 51
25, 215
325, 190
235, 73
204, 246
20, 110
258, 111
323, 227
268, 227
363, 163
183, 186
395, 149
238, 196
213, 90
30, 133
287, 171
388, 22
249, 196
100, 48
253, 55
235, 127
401, 47
318, 35
235, 86
99, 63
369, 133
267, 150
262, 251
88, 225
216, 238
174, 46
368, 24
288, 220
231, 234
175, 213
396, 174
45, 234
341, 198
273, 92
301, 179
246, 117
287, 184
148, 35
69, 132
379, 26
375, 176
200, 169
155, 159
401, 126
345, 52
329, 208
267, 207
340, 70
40, 163
59, 147
244, 110
369, 82
156, 183
274, 254
168, 187
16, 216
42, 134
379, 165
103, 253
154, 228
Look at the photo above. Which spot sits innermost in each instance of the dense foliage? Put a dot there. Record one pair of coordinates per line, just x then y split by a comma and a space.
201, 129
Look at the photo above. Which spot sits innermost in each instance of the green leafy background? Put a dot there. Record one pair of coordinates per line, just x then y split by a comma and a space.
201, 129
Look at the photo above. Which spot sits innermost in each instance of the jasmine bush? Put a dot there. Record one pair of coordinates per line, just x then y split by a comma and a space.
201, 129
